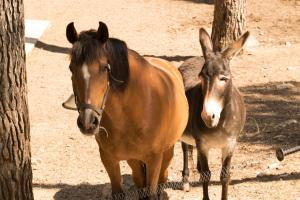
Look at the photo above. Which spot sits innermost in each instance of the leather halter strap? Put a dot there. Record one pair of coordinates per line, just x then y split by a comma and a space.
99, 111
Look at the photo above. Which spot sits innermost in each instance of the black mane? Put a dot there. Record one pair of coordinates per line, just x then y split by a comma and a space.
88, 49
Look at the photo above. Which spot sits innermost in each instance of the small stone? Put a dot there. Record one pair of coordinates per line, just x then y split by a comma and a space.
274, 166
287, 123
284, 86
262, 174
251, 42
288, 44
292, 68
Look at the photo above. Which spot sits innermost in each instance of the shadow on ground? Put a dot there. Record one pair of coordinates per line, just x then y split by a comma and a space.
273, 114
51, 47
102, 191
65, 50
201, 1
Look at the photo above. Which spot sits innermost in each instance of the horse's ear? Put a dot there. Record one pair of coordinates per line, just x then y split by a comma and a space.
236, 46
71, 33
102, 32
206, 43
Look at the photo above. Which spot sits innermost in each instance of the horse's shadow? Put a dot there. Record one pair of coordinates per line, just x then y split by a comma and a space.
102, 191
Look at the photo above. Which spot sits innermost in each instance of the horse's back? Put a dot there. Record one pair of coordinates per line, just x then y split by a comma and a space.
167, 67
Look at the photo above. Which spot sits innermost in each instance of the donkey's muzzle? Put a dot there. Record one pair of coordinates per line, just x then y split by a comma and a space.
88, 122
211, 120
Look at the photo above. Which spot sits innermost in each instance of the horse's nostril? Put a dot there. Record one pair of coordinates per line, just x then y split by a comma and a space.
79, 123
95, 121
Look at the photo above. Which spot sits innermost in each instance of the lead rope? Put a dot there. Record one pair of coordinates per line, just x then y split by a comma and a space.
102, 109
110, 77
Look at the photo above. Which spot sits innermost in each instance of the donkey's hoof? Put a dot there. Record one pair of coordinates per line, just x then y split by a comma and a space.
186, 186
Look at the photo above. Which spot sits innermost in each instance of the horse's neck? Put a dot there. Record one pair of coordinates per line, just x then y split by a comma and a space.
137, 67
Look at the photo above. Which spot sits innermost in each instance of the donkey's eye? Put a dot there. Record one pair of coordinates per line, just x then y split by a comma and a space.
224, 78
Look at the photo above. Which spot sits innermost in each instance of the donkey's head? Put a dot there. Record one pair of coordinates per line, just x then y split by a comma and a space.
215, 77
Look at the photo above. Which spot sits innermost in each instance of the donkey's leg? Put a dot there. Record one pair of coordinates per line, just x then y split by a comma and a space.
205, 174
112, 167
225, 171
153, 168
187, 156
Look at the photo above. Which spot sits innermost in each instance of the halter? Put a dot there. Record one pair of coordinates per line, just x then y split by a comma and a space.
99, 111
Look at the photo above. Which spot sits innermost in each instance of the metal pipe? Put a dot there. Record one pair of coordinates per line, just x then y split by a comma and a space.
281, 153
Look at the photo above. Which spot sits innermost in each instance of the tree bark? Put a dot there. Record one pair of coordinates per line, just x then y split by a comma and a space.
229, 22
15, 163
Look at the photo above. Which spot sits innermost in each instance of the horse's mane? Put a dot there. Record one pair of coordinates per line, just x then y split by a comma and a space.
88, 50
190, 70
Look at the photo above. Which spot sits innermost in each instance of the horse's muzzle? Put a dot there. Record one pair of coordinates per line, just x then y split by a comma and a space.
88, 122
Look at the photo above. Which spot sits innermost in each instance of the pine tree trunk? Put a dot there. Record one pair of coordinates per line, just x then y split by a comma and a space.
229, 22
15, 164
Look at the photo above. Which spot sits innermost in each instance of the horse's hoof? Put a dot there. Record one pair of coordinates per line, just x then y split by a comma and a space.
186, 186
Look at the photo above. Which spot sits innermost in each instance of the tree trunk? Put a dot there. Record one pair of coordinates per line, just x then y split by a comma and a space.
15, 164
229, 22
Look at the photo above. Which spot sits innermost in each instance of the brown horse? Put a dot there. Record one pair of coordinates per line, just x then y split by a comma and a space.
217, 112
135, 106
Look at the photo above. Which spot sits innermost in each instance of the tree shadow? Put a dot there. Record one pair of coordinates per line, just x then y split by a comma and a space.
176, 58
211, 2
65, 50
52, 48
273, 114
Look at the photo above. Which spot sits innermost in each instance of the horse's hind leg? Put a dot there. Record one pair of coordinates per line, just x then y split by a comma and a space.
153, 169
112, 167
187, 157
138, 172
225, 171
167, 158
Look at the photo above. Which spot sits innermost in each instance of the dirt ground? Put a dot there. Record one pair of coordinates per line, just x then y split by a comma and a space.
66, 164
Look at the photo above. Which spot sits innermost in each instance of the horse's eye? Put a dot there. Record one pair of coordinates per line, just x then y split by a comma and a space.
102, 68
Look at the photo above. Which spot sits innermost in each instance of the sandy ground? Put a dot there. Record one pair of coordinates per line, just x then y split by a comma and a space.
66, 164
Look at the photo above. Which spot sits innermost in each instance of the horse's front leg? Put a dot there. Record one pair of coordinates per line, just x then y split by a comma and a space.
112, 167
153, 168
225, 171
187, 157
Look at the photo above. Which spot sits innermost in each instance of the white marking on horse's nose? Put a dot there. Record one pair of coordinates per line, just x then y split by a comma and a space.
86, 76
86, 73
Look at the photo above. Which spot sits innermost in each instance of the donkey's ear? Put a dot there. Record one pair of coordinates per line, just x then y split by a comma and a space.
236, 46
71, 33
206, 43
102, 32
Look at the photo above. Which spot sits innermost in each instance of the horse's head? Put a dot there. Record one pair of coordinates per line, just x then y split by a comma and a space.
91, 72
215, 77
